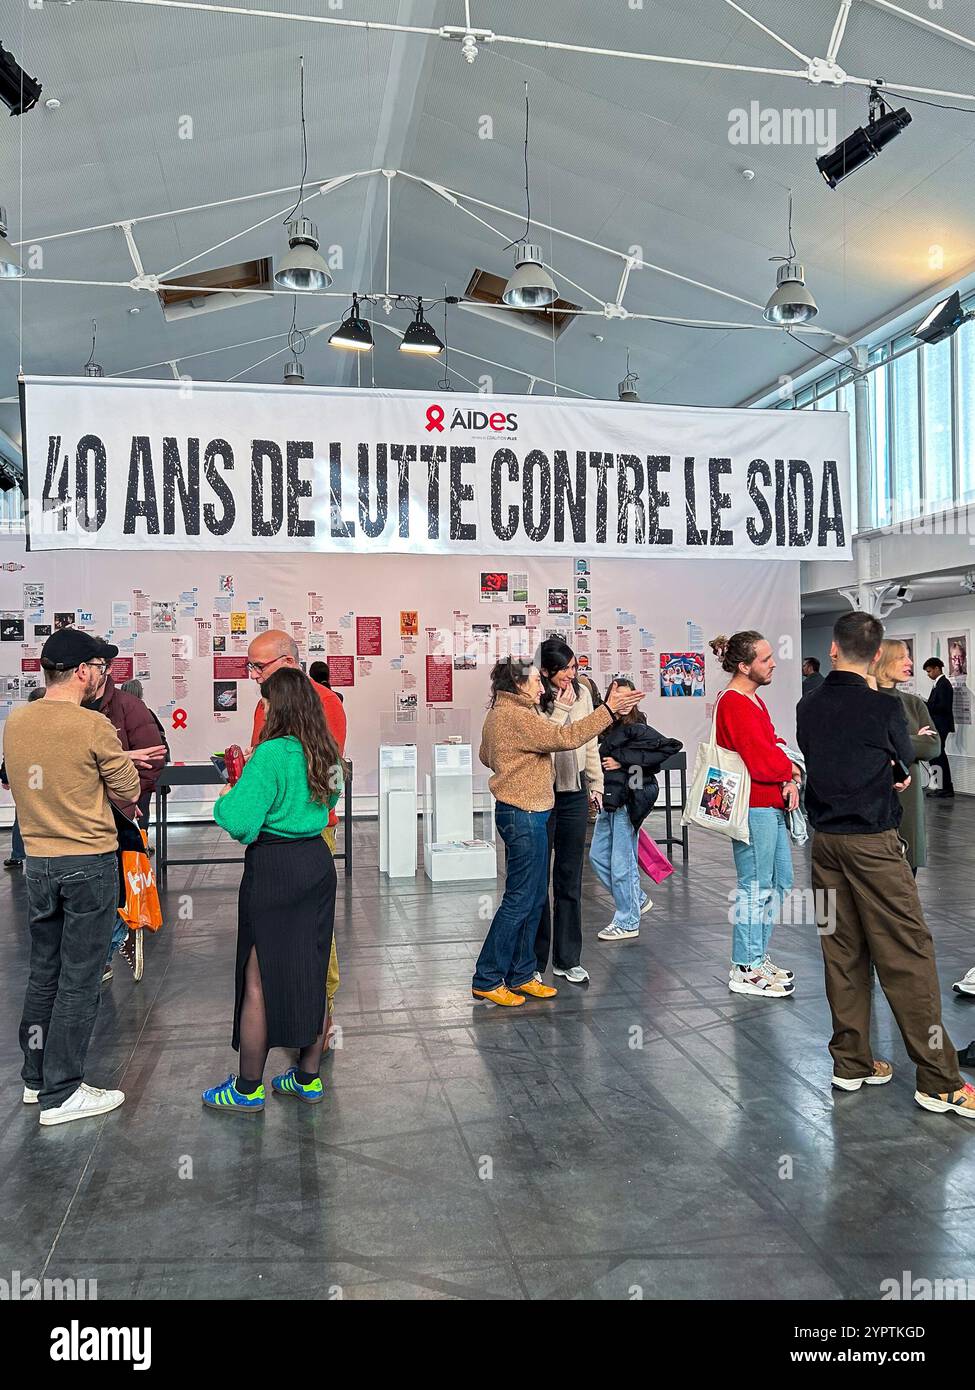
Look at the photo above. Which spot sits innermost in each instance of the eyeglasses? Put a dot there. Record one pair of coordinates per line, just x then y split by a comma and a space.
259, 667
96, 665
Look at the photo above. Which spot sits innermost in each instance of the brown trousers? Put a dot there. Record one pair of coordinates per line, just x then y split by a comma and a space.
871, 897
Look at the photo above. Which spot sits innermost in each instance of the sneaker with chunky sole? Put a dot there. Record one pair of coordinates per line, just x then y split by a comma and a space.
881, 1074
576, 975
30, 1096
962, 1102
501, 995
82, 1104
287, 1084
647, 904
966, 985
536, 989
777, 969
758, 982
228, 1099
617, 933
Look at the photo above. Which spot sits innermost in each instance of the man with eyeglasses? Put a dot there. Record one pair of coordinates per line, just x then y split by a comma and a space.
66, 765
270, 652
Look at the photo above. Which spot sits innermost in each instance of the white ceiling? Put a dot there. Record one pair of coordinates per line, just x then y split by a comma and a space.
622, 153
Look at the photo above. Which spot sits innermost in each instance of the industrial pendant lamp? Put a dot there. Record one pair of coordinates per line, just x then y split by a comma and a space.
294, 372
91, 366
354, 333
302, 268
531, 286
790, 302
420, 337
627, 387
10, 267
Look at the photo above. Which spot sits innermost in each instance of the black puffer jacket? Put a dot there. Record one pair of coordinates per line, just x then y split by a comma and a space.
634, 746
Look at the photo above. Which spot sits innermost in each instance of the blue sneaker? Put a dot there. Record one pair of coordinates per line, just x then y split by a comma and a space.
287, 1084
227, 1097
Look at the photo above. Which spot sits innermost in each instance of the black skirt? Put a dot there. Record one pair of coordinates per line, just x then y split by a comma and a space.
286, 911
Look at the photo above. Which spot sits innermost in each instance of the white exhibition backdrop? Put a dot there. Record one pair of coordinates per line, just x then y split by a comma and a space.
642, 605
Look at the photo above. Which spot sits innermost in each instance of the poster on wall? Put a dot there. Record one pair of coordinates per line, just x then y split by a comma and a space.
409, 623
681, 674
494, 587
163, 617
230, 467
224, 697
230, 668
341, 671
11, 627
558, 600
62, 620
369, 636
440, 680
957, 672
910, 642
122, 669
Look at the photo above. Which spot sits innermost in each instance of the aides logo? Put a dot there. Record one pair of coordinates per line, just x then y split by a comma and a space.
495, 420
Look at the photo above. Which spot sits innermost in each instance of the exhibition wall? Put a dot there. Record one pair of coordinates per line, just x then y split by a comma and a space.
410, 639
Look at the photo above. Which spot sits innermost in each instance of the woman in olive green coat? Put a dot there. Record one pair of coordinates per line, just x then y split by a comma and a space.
894, 666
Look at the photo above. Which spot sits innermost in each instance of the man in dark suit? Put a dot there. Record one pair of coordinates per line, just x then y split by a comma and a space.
812, 677
941, 703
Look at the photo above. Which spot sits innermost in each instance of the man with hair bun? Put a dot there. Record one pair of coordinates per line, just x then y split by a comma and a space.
764, 865
858, 753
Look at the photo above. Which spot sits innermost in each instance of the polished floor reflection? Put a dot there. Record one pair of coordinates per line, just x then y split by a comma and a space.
648, 1135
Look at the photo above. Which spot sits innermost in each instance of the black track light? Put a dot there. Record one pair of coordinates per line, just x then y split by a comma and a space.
866, 142
354, 333
420, 337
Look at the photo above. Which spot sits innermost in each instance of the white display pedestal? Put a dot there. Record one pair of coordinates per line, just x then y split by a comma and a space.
397, 810
450, 852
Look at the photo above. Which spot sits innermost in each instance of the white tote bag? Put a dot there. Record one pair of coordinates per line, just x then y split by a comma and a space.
720, 789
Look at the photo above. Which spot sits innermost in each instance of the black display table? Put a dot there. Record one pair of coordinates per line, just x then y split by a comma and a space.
206, 775
678, 764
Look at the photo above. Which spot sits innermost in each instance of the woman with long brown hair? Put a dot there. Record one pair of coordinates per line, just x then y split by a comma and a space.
286, 903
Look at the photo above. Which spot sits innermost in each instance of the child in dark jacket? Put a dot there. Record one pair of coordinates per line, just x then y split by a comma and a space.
631, 751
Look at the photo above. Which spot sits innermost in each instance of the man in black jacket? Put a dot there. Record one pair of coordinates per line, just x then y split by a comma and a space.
941, 703
854, 741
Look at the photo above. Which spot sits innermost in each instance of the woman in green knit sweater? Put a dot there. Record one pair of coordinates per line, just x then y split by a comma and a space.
286, 903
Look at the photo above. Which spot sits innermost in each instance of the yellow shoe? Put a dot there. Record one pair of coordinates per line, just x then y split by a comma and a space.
537, 990
501, 995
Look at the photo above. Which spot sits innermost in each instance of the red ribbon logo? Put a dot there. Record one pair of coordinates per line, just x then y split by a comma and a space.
179, 718
435, 414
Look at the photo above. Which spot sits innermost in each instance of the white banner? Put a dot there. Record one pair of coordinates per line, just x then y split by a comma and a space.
135, 465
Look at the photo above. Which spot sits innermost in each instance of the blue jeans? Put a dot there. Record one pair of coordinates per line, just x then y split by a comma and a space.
72, 908
764, 875
118, 936
612, 855
17, 842
508, 954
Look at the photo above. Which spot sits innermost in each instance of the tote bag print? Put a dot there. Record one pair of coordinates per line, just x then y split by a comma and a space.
720, 790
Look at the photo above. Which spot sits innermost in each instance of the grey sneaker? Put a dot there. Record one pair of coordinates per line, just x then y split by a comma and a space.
617, 933
575, 976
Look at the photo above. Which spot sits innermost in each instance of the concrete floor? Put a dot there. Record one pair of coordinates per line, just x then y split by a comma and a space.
470, 1153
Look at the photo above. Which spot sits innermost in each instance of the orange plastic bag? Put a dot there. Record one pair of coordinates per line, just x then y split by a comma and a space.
142, 907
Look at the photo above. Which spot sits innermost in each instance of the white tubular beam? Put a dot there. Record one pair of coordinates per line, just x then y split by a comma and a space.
925, 23
488, 361
126, 229
624, 281
770, 32
839, 29
196, 207
165, 274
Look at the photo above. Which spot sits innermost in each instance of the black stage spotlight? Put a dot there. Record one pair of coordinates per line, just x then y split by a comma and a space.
866, 142
944, 319
17, 91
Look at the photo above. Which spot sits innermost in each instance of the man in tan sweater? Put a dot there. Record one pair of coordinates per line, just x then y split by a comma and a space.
65, 765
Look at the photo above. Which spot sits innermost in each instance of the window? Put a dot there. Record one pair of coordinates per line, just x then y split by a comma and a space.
877, 388
938, 479
965, 338
905, 473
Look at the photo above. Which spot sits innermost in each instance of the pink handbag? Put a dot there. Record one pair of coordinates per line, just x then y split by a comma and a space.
653, 863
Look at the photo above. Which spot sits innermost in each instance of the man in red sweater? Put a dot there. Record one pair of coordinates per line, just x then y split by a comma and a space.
764, 866
270, 652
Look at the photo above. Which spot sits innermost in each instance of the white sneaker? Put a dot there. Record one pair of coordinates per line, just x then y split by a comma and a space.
761, 982
537, 977
107, 974
576, 976
617, 933
30, 1097
966, 985
82, 1104
777, 969
647, 905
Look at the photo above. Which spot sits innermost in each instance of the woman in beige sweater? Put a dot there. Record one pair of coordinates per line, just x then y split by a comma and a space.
578, 783
517, 744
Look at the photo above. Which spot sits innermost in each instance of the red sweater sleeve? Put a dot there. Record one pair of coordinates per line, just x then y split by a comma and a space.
746, 729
